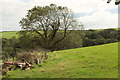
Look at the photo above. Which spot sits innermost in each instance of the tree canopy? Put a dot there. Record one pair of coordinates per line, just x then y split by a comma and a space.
117, 2
50, 19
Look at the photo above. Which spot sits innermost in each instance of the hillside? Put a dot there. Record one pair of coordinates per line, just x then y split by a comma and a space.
10, 34
89, 62
108, 28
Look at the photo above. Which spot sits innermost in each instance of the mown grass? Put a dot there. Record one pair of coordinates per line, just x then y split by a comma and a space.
89, 62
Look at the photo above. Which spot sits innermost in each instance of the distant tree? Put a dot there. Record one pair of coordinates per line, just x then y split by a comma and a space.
118, 35
93, 35
50, 19
109, 33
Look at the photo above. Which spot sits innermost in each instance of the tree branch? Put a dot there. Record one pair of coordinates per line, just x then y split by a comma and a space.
39, 33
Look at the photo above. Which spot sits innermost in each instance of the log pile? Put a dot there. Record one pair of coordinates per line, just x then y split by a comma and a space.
23, 66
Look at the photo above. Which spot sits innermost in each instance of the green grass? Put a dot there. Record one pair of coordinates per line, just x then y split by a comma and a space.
9, 34
0, 61
89, 62
116, 28
108, 28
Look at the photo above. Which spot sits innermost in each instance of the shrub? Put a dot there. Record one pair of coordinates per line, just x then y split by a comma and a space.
88, 42
74, 40
109, 33
32, 56
100, 41
111, 40
93, 35
27, 57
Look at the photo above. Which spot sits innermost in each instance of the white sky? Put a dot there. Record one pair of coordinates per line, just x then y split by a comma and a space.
94, 14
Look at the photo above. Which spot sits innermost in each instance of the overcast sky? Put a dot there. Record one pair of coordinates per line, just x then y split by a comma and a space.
94, 14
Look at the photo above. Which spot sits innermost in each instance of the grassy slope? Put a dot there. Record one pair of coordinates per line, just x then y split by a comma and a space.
108, 28
9, 34
89, 62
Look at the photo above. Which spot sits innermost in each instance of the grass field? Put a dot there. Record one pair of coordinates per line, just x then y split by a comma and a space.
89, 62
9, 34
108, 28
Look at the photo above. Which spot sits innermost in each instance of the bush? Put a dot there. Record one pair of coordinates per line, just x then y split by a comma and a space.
118, 37
88, 42
32, 56
111, 40
93, 35
109, 33
74, 40
27, 57
100, 41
